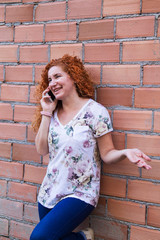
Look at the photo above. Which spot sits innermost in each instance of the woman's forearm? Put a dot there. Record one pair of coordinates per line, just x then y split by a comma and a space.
134, 155
114, 156
41, 139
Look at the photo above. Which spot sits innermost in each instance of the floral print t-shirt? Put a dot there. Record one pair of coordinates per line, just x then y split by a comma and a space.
74, 162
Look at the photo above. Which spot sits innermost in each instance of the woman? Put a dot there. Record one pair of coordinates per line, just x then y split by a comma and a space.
74, 130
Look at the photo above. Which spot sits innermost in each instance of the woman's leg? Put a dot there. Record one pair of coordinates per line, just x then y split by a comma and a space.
43, 211
60, 221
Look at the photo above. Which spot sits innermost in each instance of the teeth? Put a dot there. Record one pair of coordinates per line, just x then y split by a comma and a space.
57, 89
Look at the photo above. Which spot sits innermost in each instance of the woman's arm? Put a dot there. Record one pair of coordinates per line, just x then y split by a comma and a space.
41, 139
110, 155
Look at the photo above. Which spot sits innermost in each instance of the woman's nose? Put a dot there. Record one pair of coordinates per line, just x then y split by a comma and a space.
52, 83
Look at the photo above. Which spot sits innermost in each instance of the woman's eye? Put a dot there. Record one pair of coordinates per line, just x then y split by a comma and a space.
57, 76
49, 79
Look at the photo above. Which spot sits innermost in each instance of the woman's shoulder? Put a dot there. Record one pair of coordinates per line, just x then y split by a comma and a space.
97, 107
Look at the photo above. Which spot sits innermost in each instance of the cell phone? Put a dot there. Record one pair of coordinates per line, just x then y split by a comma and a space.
51, 95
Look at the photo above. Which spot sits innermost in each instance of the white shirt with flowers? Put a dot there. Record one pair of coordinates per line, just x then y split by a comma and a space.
74, 166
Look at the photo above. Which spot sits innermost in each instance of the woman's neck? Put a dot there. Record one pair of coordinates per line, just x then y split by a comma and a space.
73, 104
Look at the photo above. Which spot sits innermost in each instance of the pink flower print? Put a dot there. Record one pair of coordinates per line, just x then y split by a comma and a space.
86, 144
69, 150
54, 170
70, 173
56, 123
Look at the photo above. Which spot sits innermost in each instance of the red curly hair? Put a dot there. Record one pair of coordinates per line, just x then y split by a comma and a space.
74, 67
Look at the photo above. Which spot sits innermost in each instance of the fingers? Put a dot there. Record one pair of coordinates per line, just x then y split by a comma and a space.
140, 159
45, 95
45, 92
142, 164
142, 155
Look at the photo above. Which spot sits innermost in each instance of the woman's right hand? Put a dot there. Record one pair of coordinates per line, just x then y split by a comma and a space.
46, 102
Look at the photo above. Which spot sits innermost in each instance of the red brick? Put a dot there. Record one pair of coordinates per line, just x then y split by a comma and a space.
3, 238
29, 33
124, 167
102, 52
50, 11
154, 172
156, 121
120, 209
19, 73
34, 174
147, 144
132, 120
151, 74
100, 210
153, 216
2, 10
5, 149
60, 31
6, 34
32, 98
6, 111
11, 208
119, 7
141, 51
11, 170
147, 97
121, 74
94, 72
84, 9
20, 230
34, 1
1, 73
4, 226
150, 6
108, 230
34, 54
59, 50
21, 191
22, 152
115, 96
24, 113
12, 131
31, 213
14, 93
135, 27
144, 191
144, 233
113, 186
118, 140
38, 72
158, 33
30, 134
8, 53
10, 1
19, 13
3, 188
100, 29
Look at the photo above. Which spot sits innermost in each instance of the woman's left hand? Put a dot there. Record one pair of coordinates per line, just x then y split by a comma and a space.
138, 157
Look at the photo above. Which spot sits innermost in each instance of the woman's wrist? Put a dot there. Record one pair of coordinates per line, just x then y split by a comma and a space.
124, 152
46, 113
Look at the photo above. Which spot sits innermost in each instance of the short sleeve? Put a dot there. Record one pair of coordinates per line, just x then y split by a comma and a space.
102, 123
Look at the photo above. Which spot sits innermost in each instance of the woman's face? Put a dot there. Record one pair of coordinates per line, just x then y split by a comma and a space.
60, 83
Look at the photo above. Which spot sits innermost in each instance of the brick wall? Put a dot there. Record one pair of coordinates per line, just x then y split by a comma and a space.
119, 43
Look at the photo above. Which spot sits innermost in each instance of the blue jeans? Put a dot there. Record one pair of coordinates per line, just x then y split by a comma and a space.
59, 222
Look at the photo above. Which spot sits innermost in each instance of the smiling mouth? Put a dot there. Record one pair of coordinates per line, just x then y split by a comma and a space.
57, 89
